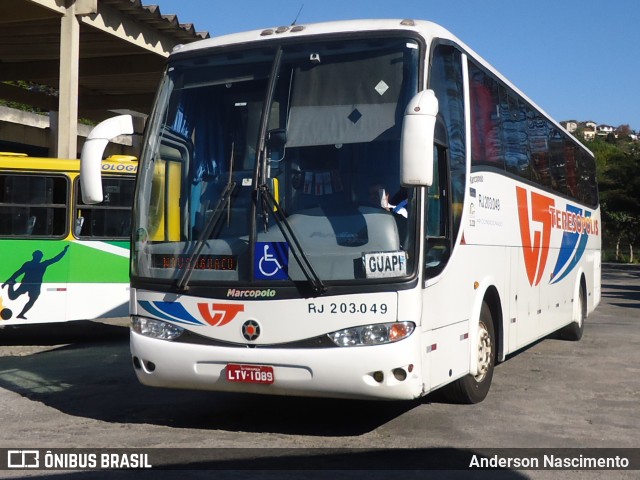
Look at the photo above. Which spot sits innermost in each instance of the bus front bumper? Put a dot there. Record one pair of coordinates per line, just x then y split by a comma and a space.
391, 371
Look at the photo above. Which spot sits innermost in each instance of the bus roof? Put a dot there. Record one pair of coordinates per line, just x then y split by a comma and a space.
426, 29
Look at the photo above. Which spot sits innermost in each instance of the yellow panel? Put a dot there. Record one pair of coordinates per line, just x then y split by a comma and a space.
275, 189
173, 210
156, 210
164, 213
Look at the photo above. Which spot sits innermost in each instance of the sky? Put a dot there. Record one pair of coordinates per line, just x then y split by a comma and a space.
576, 59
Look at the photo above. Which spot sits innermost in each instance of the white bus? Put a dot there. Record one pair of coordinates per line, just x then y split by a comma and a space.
358, 209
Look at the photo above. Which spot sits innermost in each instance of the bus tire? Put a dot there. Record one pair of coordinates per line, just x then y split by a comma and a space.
574, 331
474, 388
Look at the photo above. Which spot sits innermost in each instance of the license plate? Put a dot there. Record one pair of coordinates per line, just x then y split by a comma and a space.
250, 374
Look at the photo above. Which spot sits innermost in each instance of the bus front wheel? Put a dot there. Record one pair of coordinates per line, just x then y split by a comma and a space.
474, 388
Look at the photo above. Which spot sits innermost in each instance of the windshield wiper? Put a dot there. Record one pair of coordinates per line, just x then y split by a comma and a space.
270, 203
214, 220
259, 172
263, 195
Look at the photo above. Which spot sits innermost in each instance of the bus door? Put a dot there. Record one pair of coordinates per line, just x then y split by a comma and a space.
99, 267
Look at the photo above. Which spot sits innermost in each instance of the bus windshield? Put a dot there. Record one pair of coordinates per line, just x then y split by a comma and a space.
261, 161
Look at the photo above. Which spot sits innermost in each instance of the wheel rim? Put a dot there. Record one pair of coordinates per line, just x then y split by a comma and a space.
484, 352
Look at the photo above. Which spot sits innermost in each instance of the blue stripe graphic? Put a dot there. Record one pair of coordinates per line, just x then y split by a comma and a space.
579, 238
172, 311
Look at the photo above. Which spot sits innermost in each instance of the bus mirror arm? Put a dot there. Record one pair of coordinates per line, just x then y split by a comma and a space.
92, 151
416, 144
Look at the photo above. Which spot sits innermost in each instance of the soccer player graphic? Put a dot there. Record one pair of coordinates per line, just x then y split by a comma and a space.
32, 273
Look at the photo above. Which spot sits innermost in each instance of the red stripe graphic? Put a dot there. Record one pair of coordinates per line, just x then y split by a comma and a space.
535, 250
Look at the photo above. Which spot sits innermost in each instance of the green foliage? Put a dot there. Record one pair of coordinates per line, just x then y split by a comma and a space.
31, 87
618, 164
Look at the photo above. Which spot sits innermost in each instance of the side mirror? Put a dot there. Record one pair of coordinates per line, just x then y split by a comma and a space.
416, 145
92, 151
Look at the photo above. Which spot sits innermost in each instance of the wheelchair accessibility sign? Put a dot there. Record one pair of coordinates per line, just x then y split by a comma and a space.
271, 261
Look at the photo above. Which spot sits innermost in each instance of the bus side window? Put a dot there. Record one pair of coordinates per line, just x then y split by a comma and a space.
447, 81
438, 211
112, 217
33, 205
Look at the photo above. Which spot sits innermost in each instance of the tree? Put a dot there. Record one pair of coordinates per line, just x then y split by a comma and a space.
624, 131
619, 179
621, 226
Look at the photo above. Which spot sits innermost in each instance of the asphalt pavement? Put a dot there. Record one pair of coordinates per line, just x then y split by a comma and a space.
72, 386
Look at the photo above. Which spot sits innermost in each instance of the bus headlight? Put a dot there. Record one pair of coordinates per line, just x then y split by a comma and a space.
376, 334
155, 328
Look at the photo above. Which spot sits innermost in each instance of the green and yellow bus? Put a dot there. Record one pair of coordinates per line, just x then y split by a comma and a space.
62, 259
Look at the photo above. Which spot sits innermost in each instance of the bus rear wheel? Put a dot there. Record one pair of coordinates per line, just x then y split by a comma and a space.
474, 388
575, 330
